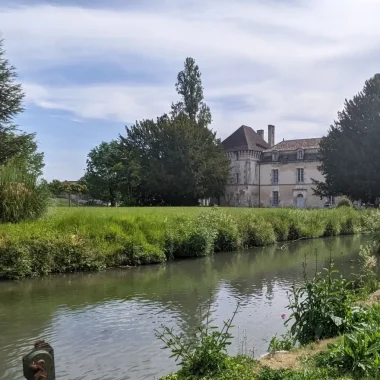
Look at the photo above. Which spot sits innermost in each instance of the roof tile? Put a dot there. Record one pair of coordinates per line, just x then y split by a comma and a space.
244, 138
296, 144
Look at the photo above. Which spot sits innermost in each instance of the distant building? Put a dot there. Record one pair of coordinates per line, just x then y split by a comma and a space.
265, 174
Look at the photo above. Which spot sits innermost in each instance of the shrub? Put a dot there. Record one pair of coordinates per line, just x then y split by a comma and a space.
21, 196
320, 307
205, 355
255, 231
190, 238
15, 261
281, 228
344, 202
358, 352
285, 343
227, 233
332, 227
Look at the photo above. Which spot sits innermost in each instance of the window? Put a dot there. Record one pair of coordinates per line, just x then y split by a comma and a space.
274, 175
300, 175
237, 177
275, 156
300, 154
236, 156
275, 198
331, 200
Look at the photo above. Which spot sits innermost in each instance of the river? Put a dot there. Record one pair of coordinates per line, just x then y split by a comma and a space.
102, 325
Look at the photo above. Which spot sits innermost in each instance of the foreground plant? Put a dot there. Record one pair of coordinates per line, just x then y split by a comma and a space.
321, 307
206, 352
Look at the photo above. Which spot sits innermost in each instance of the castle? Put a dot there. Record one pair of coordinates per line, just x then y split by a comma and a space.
265, 174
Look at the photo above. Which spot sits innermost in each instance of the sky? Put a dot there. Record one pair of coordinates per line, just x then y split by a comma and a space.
91, 67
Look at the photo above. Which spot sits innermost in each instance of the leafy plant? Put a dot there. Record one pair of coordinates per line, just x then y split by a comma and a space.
205, 354
344, 202
285, 343
21, 195
321, 307
358, 352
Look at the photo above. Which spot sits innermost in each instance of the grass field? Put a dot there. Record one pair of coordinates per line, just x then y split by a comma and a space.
78, 239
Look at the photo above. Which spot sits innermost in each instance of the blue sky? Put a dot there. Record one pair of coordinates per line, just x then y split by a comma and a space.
90, 67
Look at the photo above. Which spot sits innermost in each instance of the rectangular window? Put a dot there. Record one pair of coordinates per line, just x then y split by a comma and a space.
275, 198
237, 177
300, 175
236, 156
300, 154
332, 200
274, 175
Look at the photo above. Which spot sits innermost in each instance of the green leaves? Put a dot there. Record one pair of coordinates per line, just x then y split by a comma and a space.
21, 195
321, 308
357, 352
112, 174
13, 143
349, 153
205, 355
179, 161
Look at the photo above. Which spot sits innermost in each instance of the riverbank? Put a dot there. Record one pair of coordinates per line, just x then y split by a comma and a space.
82, 239
333, 334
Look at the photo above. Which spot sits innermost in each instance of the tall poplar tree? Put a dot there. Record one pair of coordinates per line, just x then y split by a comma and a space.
189, 86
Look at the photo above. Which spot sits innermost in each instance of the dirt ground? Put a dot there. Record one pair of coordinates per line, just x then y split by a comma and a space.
295, 359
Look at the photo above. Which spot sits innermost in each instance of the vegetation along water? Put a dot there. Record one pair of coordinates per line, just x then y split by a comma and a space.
102, 325
82, 239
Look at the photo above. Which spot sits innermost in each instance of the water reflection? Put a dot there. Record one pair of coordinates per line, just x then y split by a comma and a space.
102, 324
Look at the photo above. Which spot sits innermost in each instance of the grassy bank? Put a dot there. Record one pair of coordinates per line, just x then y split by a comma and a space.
78, 239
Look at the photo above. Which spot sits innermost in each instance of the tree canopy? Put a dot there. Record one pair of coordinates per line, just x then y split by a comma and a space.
350, 155
173, 160
180, 161
14, 143
111, 175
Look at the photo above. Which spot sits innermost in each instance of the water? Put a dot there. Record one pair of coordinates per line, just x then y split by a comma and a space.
102, 325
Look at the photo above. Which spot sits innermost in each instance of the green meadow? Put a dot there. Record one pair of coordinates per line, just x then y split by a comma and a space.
84, 238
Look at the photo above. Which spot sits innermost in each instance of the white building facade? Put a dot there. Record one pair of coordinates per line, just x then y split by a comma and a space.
265, 174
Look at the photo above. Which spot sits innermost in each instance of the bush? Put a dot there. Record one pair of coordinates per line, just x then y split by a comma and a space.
205, 356
97, 238
332, 227
21, 196
255, 231
344, 202
358, 353
320, 307
285, 343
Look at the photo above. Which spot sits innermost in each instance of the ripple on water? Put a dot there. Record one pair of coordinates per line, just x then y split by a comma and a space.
102, 325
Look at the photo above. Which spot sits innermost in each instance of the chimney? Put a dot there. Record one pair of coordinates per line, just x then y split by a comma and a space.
260, 132
271, 135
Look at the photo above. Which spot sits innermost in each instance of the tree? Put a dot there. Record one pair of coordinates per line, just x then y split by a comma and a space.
70, 188
13, 143
111, 174
349, 154
180, 162
189, 86
55, 187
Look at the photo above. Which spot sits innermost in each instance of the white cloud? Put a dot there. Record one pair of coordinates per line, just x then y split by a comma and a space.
304, 47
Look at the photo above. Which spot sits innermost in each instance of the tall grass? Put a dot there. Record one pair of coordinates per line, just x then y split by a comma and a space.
21, 196
78, 239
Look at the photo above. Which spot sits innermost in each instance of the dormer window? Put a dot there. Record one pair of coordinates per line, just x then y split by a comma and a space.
300, 154
275, 156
